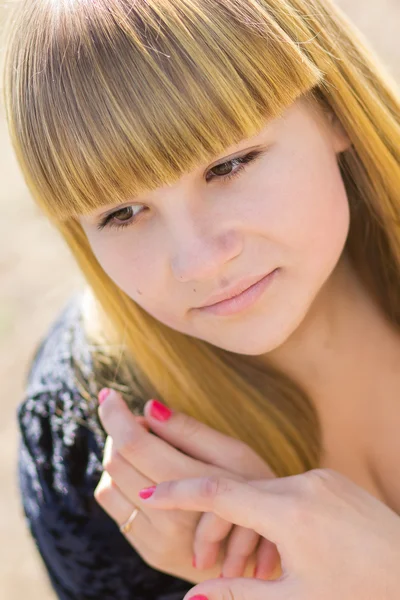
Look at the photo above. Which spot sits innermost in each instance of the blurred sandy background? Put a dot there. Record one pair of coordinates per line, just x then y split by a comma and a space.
37, 275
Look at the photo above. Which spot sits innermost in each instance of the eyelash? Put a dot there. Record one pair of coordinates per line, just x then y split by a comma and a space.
242, 161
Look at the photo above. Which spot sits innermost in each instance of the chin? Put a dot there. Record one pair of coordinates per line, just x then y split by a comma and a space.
262, 333
256, 339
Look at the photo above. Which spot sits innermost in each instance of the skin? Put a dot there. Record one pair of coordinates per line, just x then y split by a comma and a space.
182, 447
336, 540
198, 237
287, 209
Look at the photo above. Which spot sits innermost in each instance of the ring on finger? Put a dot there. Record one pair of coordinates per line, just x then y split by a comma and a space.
126, 527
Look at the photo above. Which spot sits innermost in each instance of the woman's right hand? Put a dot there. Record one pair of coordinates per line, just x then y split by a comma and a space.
135, 458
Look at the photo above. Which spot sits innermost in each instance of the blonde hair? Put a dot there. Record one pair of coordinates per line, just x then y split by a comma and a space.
112, 98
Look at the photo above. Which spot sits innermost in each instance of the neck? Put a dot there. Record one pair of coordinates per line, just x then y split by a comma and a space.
346, 356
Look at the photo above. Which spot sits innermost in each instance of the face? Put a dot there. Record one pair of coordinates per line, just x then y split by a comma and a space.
275, 203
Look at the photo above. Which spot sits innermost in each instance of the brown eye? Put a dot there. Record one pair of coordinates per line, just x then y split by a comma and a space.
122, 217
222, 169
124, 214
232, 168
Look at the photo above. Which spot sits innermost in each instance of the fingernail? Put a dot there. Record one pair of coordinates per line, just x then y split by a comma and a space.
147, 492
103, 395
198, 597
159, 411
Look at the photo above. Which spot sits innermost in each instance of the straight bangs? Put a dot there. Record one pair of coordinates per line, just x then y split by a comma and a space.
110, 99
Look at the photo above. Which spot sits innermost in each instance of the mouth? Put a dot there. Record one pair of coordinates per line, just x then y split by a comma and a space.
245, 297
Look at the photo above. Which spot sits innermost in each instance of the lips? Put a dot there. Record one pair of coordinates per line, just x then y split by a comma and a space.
234, 290
241, 302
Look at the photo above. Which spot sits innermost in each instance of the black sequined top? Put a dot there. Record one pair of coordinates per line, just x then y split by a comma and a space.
60, 464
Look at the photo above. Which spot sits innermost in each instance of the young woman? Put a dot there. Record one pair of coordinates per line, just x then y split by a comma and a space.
227, 175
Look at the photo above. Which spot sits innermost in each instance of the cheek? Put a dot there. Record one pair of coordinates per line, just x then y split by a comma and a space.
305, 210
140, 273
128, 264
323, 213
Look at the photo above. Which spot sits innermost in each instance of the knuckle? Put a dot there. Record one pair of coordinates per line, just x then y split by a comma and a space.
189, 427
111, 463
303, 506
103, 493
317, 481
132, 445
168, 489
213, 486
108, 464
99, 495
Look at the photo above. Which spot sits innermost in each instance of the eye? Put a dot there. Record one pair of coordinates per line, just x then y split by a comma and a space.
124, 217
120, 218
225, 170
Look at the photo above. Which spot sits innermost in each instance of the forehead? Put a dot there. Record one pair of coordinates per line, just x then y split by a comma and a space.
301, 109
270, 129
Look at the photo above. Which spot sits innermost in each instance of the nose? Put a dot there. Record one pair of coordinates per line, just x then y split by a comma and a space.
201, 255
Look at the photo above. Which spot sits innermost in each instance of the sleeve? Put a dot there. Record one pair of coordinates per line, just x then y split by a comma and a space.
84, 552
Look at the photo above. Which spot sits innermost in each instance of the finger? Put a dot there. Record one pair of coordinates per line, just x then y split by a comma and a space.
204, 443
241, 544
210, 532
268, 564
144, 536
240, 589
263, 510
142, 421
128, 480
233, 501
116, 505
150, 455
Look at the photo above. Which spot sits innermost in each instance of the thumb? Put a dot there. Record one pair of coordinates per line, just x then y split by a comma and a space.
242, 589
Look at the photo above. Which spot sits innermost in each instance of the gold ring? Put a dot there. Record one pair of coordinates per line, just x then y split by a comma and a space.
126, 527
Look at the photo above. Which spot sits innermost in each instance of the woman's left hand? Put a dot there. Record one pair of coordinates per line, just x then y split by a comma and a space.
336, 541
134, 458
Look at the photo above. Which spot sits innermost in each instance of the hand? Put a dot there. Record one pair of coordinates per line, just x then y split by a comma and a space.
135, 458
234, 457
335, 539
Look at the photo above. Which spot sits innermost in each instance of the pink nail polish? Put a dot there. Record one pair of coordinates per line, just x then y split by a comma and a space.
103, 395
147, 492
198, 597
159, 411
